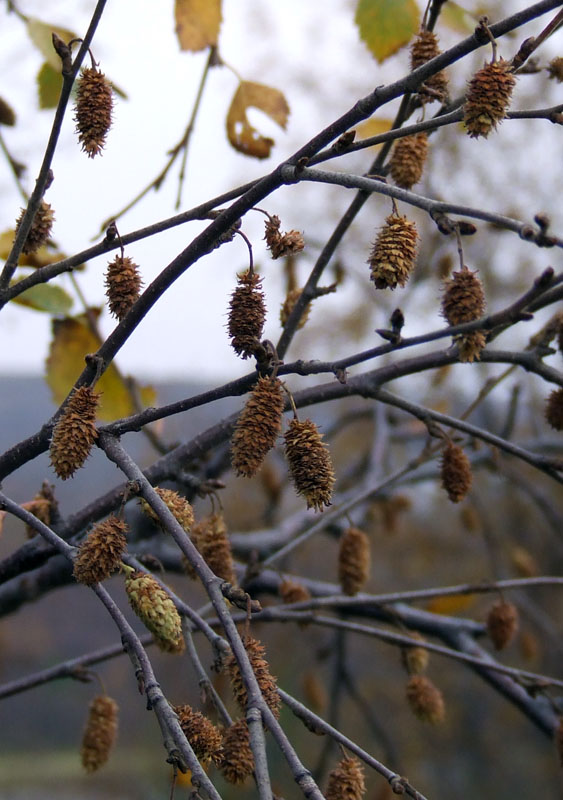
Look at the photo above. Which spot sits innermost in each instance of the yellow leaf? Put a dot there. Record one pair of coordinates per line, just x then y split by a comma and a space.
41, 36
451, 604
373, 127
242, 135
49, 85
386, 25
72, 340
197, 23
457, 18
41, 258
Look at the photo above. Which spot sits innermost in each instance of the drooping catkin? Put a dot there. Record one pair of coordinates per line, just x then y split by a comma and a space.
293, 592
100, 732
41, 507
100, 553
212, 541
123, 285
205, 739
408, 159
354, 560
258, 427
456, 472
176, 504
155, 608
75, 432
40, 230
415, 659
423, 49
238, 762
502, 623
464, 301
346, 781
555, 69
488, 98
247, 313
289, 304
282, 244
309, 462
425, 700
393, 253
94, 106
554, 409
266, 681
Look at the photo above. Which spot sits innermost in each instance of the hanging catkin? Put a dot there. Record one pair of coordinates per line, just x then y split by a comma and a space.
464, 301
266, 681
75, 432
456, 472
353, 560
155, 608
123, 285
309, 463
425, 700
423, 49
100, 553
554, 409
205, 739
247, 312
502, 623
488, 98
408, 158
238, 762
40, 230
258, 427
346, 781
393, 253
99, 733
94, 105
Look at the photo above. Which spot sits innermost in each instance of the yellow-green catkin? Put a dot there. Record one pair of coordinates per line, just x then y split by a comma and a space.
156, 609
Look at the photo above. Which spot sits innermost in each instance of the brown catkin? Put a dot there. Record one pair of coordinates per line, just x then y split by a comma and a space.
558, 738
393, 253
293, 592
415, 659
353, 560
176, 504
123, 285
258, 427
488, 98
238, 761
346, 781
75, 432
423, 49
99, 733
205, 739
289, 304
40, 507
282, 244
267, 683
309, 462
40, 230
154, 606
408, 159
247, 312
502, 623
7, 113
464, 301
100, 553
94, 105
456, 472
213, 543
555, 69
554, 409
425, 700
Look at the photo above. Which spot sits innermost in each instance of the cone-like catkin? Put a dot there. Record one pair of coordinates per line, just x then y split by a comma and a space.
123, 285
282, 244
258, 427
40, 507
154, 606
100, 553
213, 543
423, 49
456, 472
99, 733
94, 105
555, 69
425, 700
40, 230
558, 737
488, 98
415, 659
205, 739
408, 159
293, 592
238, 761
266, 681
502, 623
346, 781
554, 409
288, 305
75, 432
247, 312
353, 561
464, 301
176, 504
393, 253
309, 463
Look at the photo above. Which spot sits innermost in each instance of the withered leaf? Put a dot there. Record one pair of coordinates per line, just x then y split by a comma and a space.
197, 23
242, 135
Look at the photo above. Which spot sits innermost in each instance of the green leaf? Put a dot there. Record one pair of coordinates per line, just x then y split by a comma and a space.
41, 33
386, 25
49, 85
45, 297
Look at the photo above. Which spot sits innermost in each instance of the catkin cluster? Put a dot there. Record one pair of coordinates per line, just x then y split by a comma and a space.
75, 432
101, 552
282, 244
209, 536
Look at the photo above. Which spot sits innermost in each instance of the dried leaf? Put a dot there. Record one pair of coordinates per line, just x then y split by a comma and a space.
72, 340
242, 135
451, 604
197, 23
49, 85
386, 25
41, 34
45, 297
373, 127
